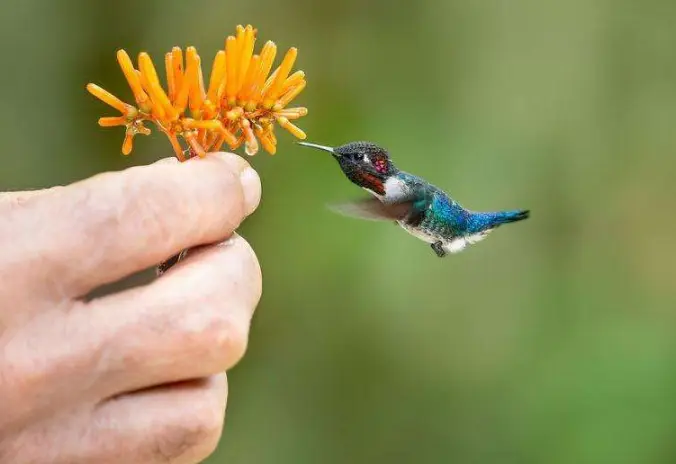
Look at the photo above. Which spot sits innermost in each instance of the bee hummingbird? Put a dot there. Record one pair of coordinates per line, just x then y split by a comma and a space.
423, 210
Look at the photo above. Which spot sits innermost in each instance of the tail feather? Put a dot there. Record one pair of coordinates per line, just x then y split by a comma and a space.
486, 221
505, 217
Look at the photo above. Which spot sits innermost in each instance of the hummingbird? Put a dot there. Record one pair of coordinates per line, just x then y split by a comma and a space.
420, 208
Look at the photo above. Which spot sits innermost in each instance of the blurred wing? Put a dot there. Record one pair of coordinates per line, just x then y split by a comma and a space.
373, 209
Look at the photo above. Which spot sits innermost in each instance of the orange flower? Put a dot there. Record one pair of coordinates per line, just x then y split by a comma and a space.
241, 103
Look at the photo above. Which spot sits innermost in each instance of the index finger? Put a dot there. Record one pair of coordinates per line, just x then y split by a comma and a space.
72, 239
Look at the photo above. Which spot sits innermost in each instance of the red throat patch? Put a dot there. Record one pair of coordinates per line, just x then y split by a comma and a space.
372, 182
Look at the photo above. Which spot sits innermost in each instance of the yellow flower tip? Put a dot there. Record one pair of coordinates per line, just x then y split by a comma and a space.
244, 61
293, 80
217, 76
108, 98
152, 83
284, 69
292, 113
177, 72
112, 121
249, 81
171, 80
133, 80
197, 93
267, 57
268, 146
232, 60
266, 141
128, 144
191, 75
292, 93
292, 128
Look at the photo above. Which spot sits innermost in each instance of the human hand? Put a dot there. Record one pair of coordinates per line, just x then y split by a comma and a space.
136, 376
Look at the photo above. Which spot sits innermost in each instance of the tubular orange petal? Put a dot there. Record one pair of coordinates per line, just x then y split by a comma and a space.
273, 137
109, 98
284, 69
113, 121
197, 93
291, 94
247, 86
178, 150
149, 76
132, 78
190, 75
267, 57
292, 113
232, 58
293, 80
177, 62
293, 129
245, 56
128, 144
269, 82
212, 125
217, 76
194, 144
228, 136
266, 141
171, 80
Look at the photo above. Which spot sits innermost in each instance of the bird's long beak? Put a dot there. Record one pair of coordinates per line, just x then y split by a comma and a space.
319, 147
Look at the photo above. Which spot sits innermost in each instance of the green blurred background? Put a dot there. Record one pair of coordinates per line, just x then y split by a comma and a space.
550, 342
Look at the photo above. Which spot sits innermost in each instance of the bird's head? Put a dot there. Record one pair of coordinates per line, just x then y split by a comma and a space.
364, 163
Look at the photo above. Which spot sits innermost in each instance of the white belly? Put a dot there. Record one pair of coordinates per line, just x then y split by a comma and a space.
455, 245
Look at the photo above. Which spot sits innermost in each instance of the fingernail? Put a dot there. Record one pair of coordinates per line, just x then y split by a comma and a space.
248, 177
251, 186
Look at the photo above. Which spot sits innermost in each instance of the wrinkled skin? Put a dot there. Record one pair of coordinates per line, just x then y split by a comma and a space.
136, 376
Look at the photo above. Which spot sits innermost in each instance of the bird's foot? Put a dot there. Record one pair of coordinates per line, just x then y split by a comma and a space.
438, 248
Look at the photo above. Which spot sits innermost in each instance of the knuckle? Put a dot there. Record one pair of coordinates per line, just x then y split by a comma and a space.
194, 437
196, 433
227, 337
217, 336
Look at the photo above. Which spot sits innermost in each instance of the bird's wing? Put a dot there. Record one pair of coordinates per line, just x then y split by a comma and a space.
373, 209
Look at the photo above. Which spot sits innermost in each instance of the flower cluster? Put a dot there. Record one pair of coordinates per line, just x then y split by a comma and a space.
241, 103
